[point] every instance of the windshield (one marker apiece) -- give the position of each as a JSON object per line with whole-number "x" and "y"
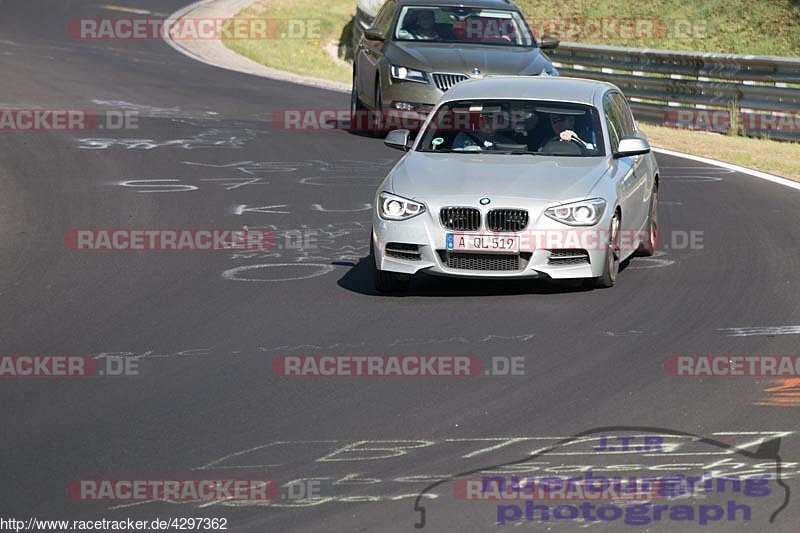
{"x": 514, "y": 126}
{"x": 463, "y": 25}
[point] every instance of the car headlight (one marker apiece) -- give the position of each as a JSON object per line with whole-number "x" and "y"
{"x": 393, "y": 207}
{"x": 583, "y": 213}
{"x": 408, "y": 74}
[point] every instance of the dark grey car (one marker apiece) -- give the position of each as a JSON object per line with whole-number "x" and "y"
{"x": 418, "y": 49}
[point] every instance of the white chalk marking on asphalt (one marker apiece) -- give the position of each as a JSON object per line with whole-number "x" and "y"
{"x": 139, "y": 108}
{"x": 124, "y": 9}
{"x": 654, "y": 262}
{"x": 318, "y": 207}
{"x": 233, "y": 273}
{"x": 212, "y": 464}
{"x": 266, "y": 209}
{"x": 623, "y": 333}
{"x": 761, "y": 331}
{"x": 170, "y": 185}
{"x": 239, "y": 182}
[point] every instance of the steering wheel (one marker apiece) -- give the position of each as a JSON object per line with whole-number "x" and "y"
{"x": 559, "y": 147}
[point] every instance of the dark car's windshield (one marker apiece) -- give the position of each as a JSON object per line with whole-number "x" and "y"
{"x": 463, "y": 25}
{"x": 515, "y": 126}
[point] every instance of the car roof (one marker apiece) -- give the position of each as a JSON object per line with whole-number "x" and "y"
{"x": 499, "y": 4}
{"x": 530, "y": 87}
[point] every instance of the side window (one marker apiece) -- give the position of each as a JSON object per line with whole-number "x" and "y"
{"x": 383, "y": 20}
{"x": 613, "y": 122}
{"x": 628, "y": 125}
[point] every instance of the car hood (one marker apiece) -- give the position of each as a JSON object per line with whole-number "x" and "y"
{"x": 423, "y": 175}
{"x": 460, "y": 58}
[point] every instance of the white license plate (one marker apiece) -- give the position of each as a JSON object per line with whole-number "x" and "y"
{"x": 483, "y": 243}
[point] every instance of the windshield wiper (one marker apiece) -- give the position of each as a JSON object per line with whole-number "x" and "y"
{"x": 508, "y": 152}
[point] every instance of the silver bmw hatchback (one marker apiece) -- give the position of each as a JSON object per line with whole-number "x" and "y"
{"x": 518, "y": 177}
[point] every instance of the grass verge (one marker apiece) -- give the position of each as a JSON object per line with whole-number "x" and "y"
{"x": 758, "y": 27}
{"x": 324, "y": 22}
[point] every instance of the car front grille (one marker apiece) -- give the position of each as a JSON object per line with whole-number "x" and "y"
{"x": 499, "y": 220}
{"x": 444, "y": 81}
{"x": 568, "y": 257}
{"x": 460, "y": 218}
{"x": 483, "y": 262}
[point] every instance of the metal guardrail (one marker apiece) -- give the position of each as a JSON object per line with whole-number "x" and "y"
{"x": 696, "y": 90}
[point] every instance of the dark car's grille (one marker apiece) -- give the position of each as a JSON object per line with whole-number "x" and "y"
{"x": 568, "y": 257}
{"x": 507, "y": 220}
{"x": 470, "y": 261}
{"x": 400, "y": 250}
{"x": 444, "y": 82}
{"x": 460, "y": 218}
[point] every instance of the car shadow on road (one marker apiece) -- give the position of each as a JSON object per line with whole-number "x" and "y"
{"x": 359, "y": 279}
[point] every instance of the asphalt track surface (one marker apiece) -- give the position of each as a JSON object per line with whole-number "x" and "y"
{"x": 204, "y": 341}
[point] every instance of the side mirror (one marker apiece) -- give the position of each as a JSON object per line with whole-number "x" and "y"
{"x": 397, "y": 139}
{"x": 374, "y": 34}
{"x": 629, "y": 146}
{"x": 549, "y": 42}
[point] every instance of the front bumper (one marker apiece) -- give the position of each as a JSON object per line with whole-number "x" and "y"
{"x": 538, "y": 255}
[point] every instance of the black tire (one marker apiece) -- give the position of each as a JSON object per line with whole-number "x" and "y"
{"x": 357, "y": 107}
{"x": 377, "y": 124}
{"x": 650, "y": 246}
{"x": 386, "y": 282}
{"x": 611, "y": 266}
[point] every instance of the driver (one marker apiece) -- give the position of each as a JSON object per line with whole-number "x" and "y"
{"x": 563, "y": 128}
{"x": 421, "y": 25}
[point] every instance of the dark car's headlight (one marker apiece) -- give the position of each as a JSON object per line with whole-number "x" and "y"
{"x": 583, "y": 213}
{"x": 409, "y": 74}
{"x": 393, "y": 207}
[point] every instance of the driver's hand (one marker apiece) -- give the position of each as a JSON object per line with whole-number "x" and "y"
{"x": 568, "y": 135}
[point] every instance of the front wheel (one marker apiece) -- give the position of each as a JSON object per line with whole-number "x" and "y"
{"x": 650, "y": 245}
{"x": 612, "y": 261}
{"x": 377, "y": 115}
{"x": 355, "y": 102}
{"x": 387, "y": 282}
